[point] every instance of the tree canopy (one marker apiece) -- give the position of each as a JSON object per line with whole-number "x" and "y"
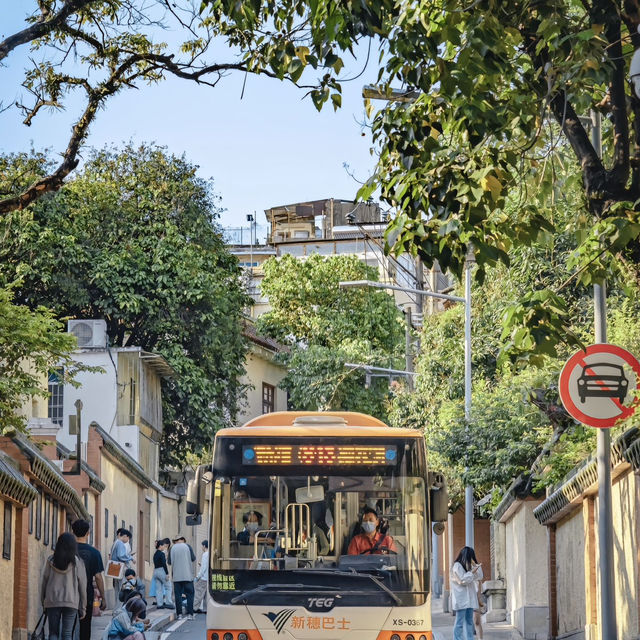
{"x": 518, "y": 427}
{"x": 326, "y": 327}
{"x": 32, "y": 344}
{"x": 133, "y": 239}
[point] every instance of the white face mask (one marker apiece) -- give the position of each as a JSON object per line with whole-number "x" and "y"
{"x": 252, "y": 527}
{"x": 368, "y": 526}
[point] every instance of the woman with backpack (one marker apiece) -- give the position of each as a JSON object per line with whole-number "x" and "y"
{"x": 63, "y": 590}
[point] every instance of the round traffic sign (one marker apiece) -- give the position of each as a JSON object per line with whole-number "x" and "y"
{"x": 599, "y": 386}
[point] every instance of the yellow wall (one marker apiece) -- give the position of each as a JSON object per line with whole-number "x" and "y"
{"x": 570, "y": 557}
{"x": 625, "y": 544}
{"x": 120, "y": 497}
{"x": 259, "y": 368}
{"x": 6, "y": 580}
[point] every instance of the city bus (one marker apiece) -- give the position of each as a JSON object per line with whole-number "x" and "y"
{"x": 286, "y": 494}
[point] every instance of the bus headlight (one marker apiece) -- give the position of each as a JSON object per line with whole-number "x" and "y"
{"x": 395, "y": 636}
{"x": 227, "y": 636}
{"x": 243, "y": 636}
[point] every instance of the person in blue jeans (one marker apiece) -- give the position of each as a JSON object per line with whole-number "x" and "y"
{"x": 63, "y": 590}
{"x": 466, "y": 572}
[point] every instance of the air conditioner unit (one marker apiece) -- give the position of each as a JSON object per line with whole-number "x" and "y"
{"x": 91, "y": 334}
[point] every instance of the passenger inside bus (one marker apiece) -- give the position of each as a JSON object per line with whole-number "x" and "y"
{"x": 374, "y": 538}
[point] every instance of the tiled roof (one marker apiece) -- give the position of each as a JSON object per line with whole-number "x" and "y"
{"x": 49, "y": 475}
{"x": 250, "y": 332}
{"x": 12, "y": 484}
{"x": 625, "y": 449}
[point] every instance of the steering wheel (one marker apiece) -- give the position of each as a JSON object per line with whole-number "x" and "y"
{"x": 380, "y": 548}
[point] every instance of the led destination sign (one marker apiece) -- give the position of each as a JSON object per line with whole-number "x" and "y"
{"x": 318, "y": 455}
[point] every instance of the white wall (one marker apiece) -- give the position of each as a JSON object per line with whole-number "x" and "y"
{"x": 98, "y": 392}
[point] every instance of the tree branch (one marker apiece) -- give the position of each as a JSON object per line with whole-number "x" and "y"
{"x": 40, "y": 29}
{"x": 619, "y": 172}
{"x": 54, "y": 181}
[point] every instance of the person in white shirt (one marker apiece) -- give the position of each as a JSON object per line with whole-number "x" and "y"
{"x": 466, "y": 572}
{"x": 201, "y": 581}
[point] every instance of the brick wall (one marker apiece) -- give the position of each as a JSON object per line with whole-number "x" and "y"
{"x": 482, "y": 541}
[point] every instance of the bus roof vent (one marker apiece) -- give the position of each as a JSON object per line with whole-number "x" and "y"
{"x": 318, "y": 421}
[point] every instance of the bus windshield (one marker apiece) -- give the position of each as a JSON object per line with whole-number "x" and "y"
{"x": 298, "y": 539}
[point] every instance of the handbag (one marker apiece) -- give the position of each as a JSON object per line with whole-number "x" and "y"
{"x": 115, "y": 569}
{"x": 38, "y": 632}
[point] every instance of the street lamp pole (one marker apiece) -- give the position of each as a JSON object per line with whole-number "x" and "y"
{"x": 468, "y": 490}
{"x": 351, "y": 284}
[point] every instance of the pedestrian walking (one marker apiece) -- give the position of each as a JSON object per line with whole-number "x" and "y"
{"x": 119, "y": 553}
{"x": 181, "y": 559}
{"x": 465, "y": 574}
{"x": 201, "y": 581}
{"x": 92, "y": 560}
{"x": 128, "y": 622}
{"x": 63, "y": 589}
{"x": 161, "y": 574}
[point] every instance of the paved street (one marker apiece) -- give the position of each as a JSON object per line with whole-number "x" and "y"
{"x": 185, "y": 629}
{"x": 443, "y": 626}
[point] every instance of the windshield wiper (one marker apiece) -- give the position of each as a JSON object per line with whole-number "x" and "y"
{"x": 282, "y": 588}
{"x": 353, "y": 574}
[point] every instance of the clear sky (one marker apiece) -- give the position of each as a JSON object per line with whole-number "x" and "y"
{"x": 269, "y": 148}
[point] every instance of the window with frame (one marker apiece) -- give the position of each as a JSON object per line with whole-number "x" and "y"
{"x": 132, "y": 401}
{"x": 32, "y": 508}
{"x": 55, "y": 388}
{"x": 54, "y": 524}
{"x": 268, "y": 398}
{"x": 106, "y": 523}
{"x": 47, "y": 520}
{"x": 6, "y": 537}
{"x": 39, "y": 514}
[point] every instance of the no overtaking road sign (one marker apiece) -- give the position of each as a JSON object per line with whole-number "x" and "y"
{"x": 599, "y": 386}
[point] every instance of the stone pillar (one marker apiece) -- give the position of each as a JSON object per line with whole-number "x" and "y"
{"x": 494, "y": 590}
{"x": 496, "y": 595}
{"x": 446, "y": 564}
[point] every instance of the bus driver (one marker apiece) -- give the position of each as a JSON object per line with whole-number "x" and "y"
{"x": 372, "y": 539}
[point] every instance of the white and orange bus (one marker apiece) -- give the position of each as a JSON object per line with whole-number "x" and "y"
{"x": 287, "y": 492}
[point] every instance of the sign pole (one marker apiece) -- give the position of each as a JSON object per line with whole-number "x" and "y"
{"x": 605, "y": 514}
{"x": 603, "y": 453}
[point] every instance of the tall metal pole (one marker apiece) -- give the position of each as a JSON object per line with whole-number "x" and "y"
{"x": 420, "y": 286}
{"x": 468, "y": 491}
{"x": 408, "y": 346}
{"x": 608, "y": 629}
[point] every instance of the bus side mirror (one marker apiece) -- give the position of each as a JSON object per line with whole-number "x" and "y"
{"x": 197, "y": 490}
{"x": 438, "y": 497}
{"x": 192, "y": 497}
